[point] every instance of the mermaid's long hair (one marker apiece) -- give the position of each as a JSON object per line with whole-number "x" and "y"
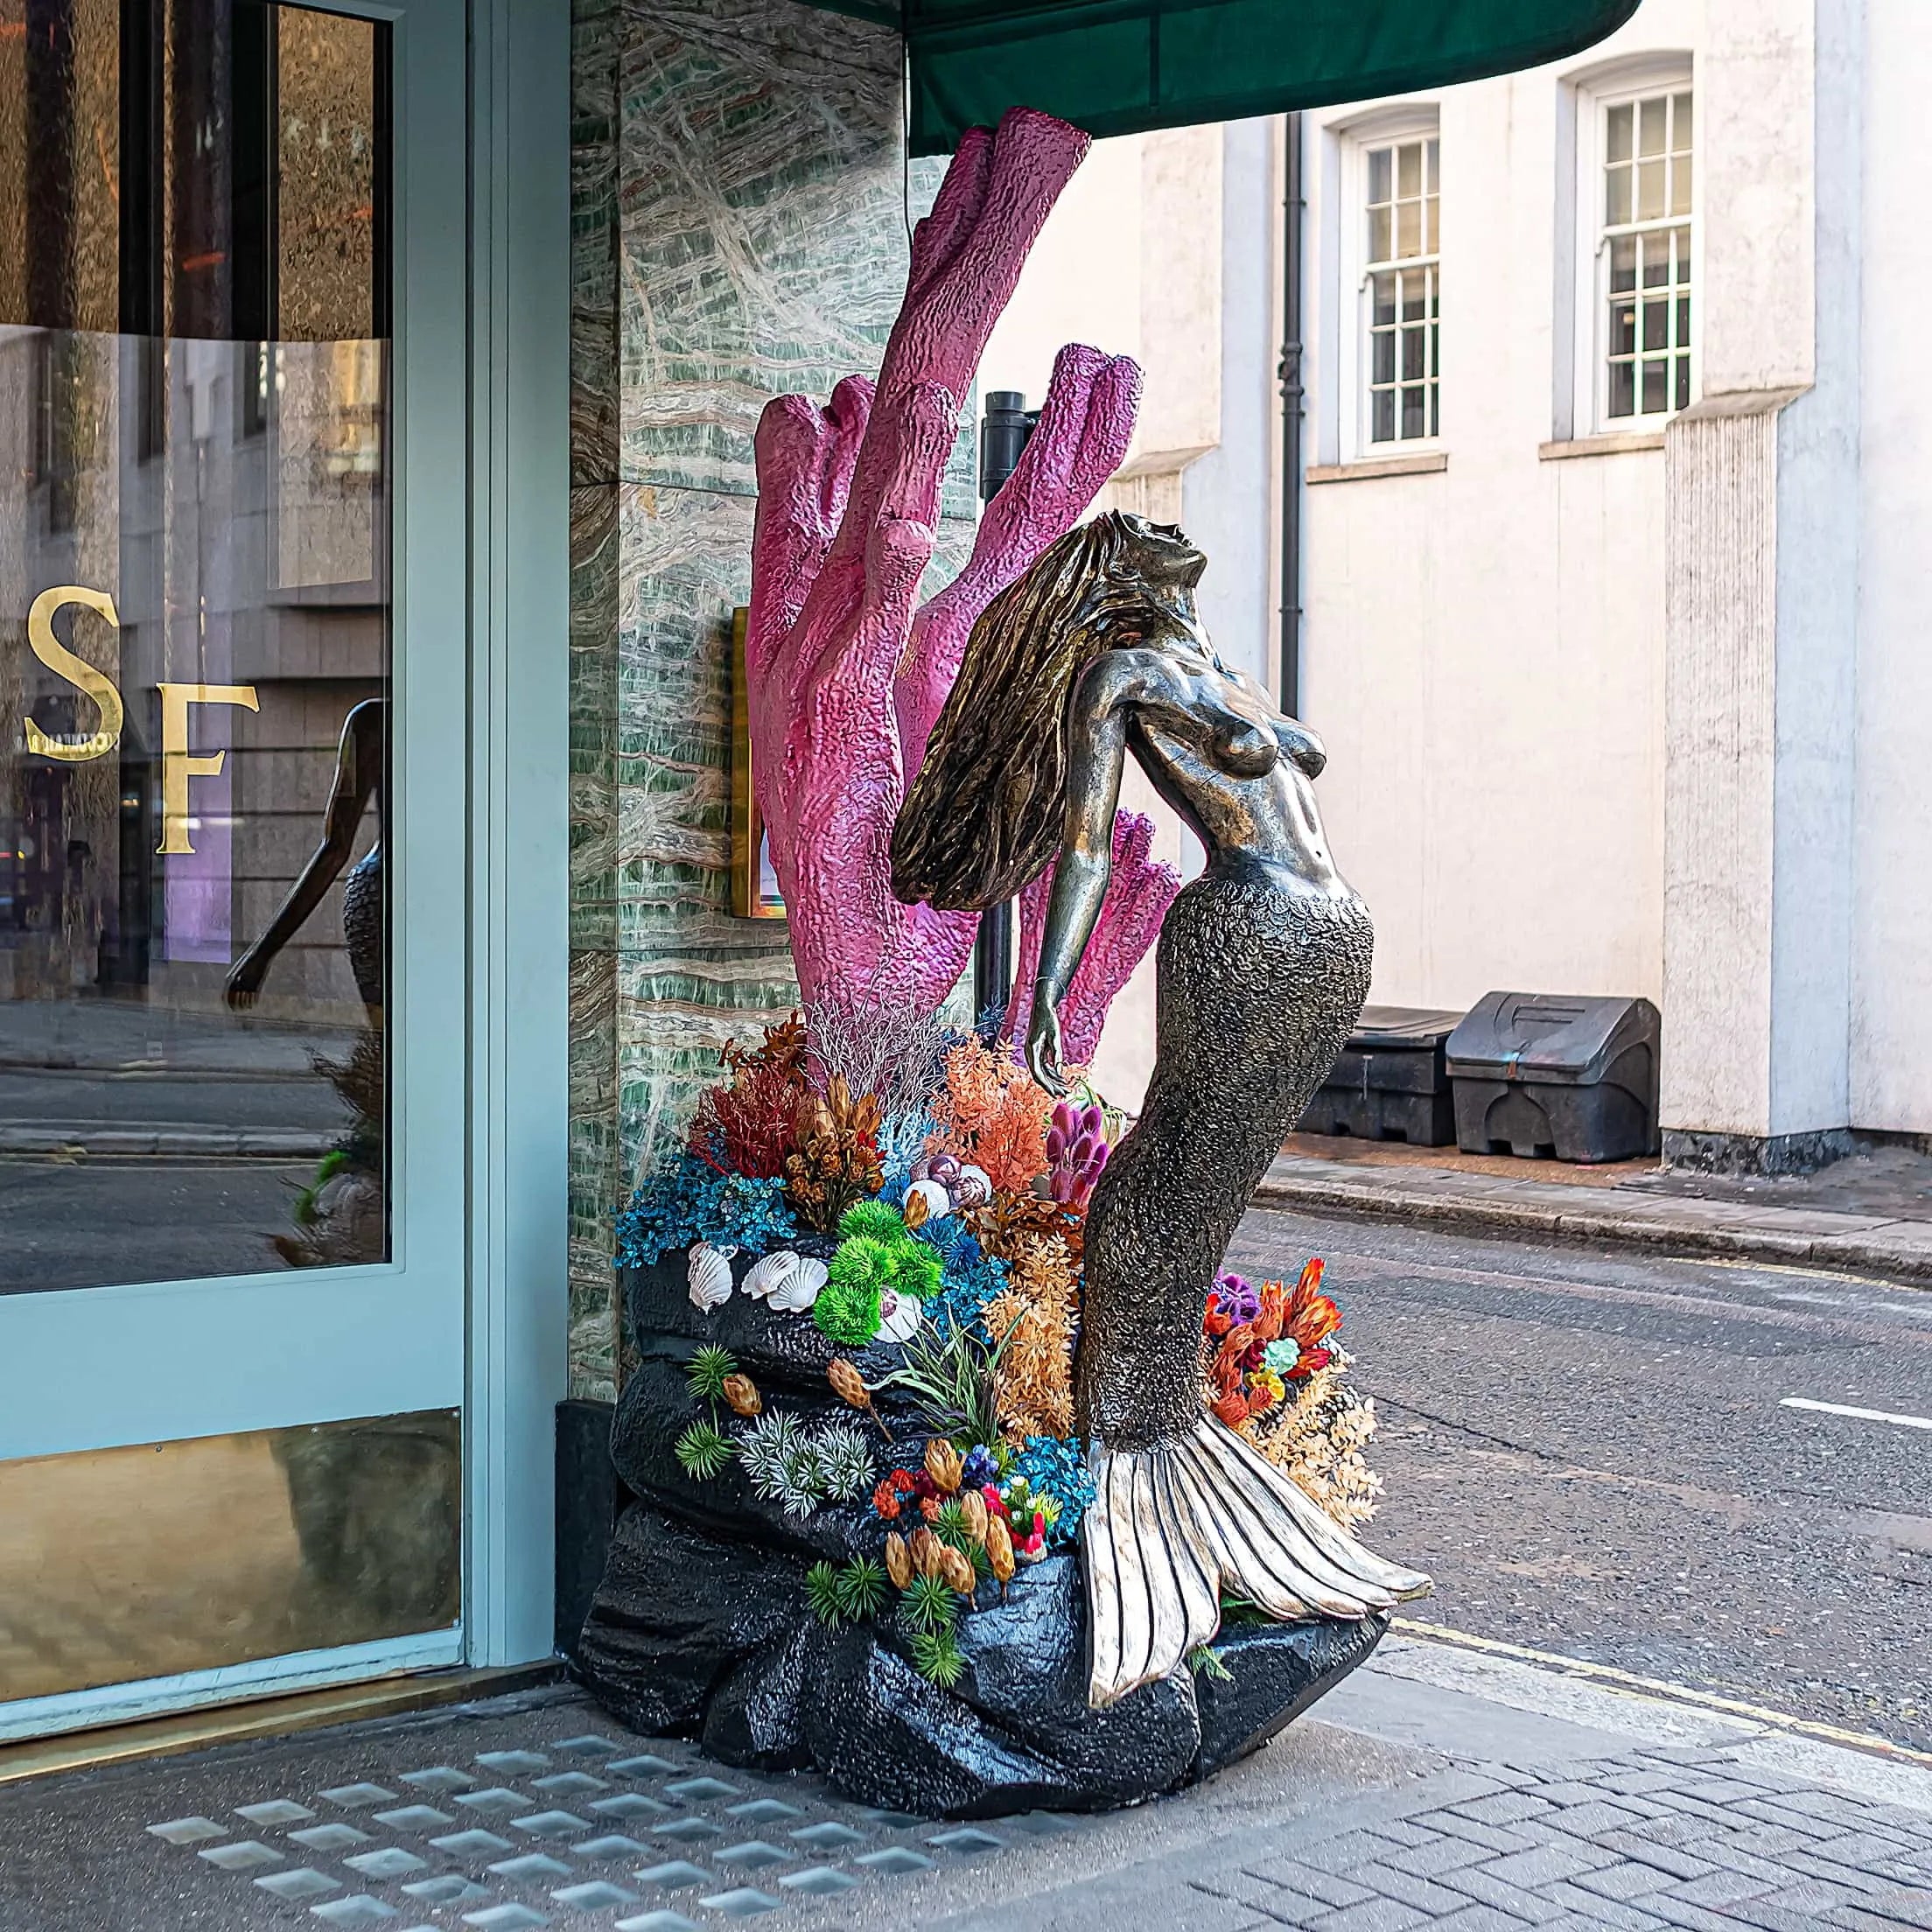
{"x": 983, "y": 816}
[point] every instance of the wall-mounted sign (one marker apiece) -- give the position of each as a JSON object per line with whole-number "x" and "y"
{"x": 178, "y": 763}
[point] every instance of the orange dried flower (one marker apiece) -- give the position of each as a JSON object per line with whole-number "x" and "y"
{"x": 742, "y": 1393}
{"x": 929, "y": 1507}
{"x": 999, "y": 1549}
{"x": 885, "y": 1500}
{"x": 944, "y": 1464}
{"x": 956, "y": 1567}
{"x": 899, "y": 1561}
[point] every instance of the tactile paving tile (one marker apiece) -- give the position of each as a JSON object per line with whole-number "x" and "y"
{"x": 440, "y": 1777}
{"x": 657, "y": 1922}
{"x": 677, "y": 1874}
{"x": 452, "y": 1889}
{"x": 967, "y": 1841}
{"x": 818, "y": 1881}
{"x": 414, "y": 1817}
{"x": 391, "y": 1862}
{"x": 753, "y": 1855}
{"x": 764, "y": 1812}
{"x": 743, "y": 1902}
{"x": 551, "y": 1824}
{"x": 894, "y": 1860}
{"x": 589, "y": 1746}
{"x": 701, "y": 1790}
{"x": 302, "y": 1883}
{"x": 330, "y": 1837}
{"x": 505, "y": 1918}
{"x": 647, "y": 1764}
{"x": 471, "y": 1845}
{"x": 495, "y": 1801}
{"x": 594, "y": 1896}
{"x": 531, "y": 1868}
{"x": 567, "y": 1784}
{"x": 829, "y": 1836}
{"x": 359, "y": 1798}
{"x": 243, "y": 1856}
{"x": 189, "y": 1830}
{"x": 629, "y": 1804}
{"x": 276, "y": 1811}
{"x": 685, "y": 1829}
{"x": 513, "y": 1764}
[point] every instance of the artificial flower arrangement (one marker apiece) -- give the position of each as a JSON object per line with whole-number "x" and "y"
{"x": 903, "y": 1184}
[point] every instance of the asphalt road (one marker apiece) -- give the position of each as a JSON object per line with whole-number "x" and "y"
{"x": 1591, "y": 1454}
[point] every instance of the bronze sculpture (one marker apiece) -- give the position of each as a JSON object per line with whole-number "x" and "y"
{"x": 1264, "y": 964}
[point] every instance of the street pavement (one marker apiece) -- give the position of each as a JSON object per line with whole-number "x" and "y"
{"x": 1590, "y": 1451}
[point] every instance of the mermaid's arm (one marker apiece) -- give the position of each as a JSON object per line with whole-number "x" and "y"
{"x": 1097, "y": 732}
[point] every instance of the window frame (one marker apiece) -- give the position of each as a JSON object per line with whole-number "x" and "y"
{"x": 1413, "y": 122}
{"x": 1644, "y": 79}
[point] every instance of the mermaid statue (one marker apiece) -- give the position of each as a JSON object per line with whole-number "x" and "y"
{"x": 1262, "y": 967}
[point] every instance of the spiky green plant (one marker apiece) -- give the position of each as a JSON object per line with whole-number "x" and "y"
{"x": 873, "y": 1218}
{"x": 952, "y": 1384}
{"x": 703, "y": 1449}
{"x": 844, "y": 1461}
{"x": 707, "y": 1372}
{"x": 764, "y": 1448}
{"x": 822, "y": 1593}
{"x": 859, "y": 1589}
{"x": 800, "y": 1486}
{"x": 1205, "y": 1662}
{"x": 937, "y": 1657}
{"x": 927, "y": 1603}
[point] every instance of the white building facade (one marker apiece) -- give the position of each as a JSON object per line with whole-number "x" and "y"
{"x": 1615, "y": 530}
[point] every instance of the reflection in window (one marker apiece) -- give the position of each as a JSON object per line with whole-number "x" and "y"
{"x": 194, "y": 257}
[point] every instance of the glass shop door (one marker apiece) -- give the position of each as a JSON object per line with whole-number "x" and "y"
{"x": 233, "y": 665}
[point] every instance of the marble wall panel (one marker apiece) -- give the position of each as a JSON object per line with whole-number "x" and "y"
{"x": 597, "y": 29}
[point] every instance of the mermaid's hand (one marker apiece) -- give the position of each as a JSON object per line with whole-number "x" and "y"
{"x": 1043, "y": 1042}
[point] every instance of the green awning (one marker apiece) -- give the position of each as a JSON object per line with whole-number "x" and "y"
{"x": 1116, "y": 66}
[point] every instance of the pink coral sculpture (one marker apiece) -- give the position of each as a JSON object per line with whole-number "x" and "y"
{"x": 846, "y": 673}
{"x": 1138, "y": 895}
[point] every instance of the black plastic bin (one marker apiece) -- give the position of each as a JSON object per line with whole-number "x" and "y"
{"x": 1388, "y": 1082}
{"x": 1537, "y": 1073}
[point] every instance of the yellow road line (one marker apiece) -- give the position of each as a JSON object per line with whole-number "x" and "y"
{"x": 1659, "y": 1688}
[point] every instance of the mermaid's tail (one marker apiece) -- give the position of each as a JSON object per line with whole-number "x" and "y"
{"x": 1171, "y": 1525}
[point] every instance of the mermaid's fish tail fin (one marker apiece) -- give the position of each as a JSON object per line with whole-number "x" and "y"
{"x": 1172, "y": 1525}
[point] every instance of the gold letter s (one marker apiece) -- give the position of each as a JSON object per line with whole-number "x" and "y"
{"x": 77, "y": 671}
{"x": 178, "y": 765}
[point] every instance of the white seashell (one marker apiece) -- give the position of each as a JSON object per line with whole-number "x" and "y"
{"x": 898, "y": 1316}
{"x": 974, "y": 1187}
{"x": 795, "y": 1295}
{"x": 710, "y": 1274}
{"x": 939, "y": 1203}
{"x": 787, "y": 1280}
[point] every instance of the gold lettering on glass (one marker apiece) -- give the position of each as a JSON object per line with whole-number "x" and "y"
{"x": 96, "y": 684}
{"x": 178, "y": 764}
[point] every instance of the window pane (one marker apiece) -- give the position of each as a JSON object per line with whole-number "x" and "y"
{"x": 1408, "y": 169}
{"x": 1616, "y": 196}
{"x": 1680, "y": 131}
{"x": 1650, "y": 128}
{"x": 1382, "y": 418}
{"x": 1623, "y": 262}
{"x": 1378, "y": 234}
{"x": 1655, "y": 375}
{"x": 1414, "y": 413}
{"x": 1657, "y": 260}
{"x": 1683, "y": 322}
{"x": 1382, "y": 290}
{"x": 1415, "y": 353}
{"x": 1622, "y": 400}
{"x": 1656, "y": 325}
{"x": 1415, "y": 295}
{"x": 1378, "y": 174}
{"x": 1382, "y": 360}
{"x": 1623, "y": 328}
{"x": 1617, "y": 133}
{"x": 1680, "y": 249}
{"x": 1429, "y": 241}
{"x": 1680, "y": 184}
{"x": 1649, "y": 190}
{"x": 1435, "y": 348}
{"x": 194, "y": 640}
{"x": 1682, "y": 398}
{"x": 1408, "y": 229}
{"x": 1435, "y": 166}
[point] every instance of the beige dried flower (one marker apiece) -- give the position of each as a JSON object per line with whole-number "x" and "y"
{"x": 899, "y": 1561}
{"x": 944, "y": 1464}
{"x": 999, "y": 1549}
{"x": 927, "y": 1552}
{"x": 974, "y": 1515}
{"x": 956, "y": 1567}
{"x": 742, "y": 1393}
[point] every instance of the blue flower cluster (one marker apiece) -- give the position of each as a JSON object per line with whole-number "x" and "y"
{"x": 691, "y": 1201}
{"x": 902, "y": 1139}
{"x": 972, "y": 1277}
{"x": 1057, "y": 1468}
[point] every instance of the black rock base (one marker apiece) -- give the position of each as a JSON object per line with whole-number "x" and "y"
{"x": 701, "y": 1627}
